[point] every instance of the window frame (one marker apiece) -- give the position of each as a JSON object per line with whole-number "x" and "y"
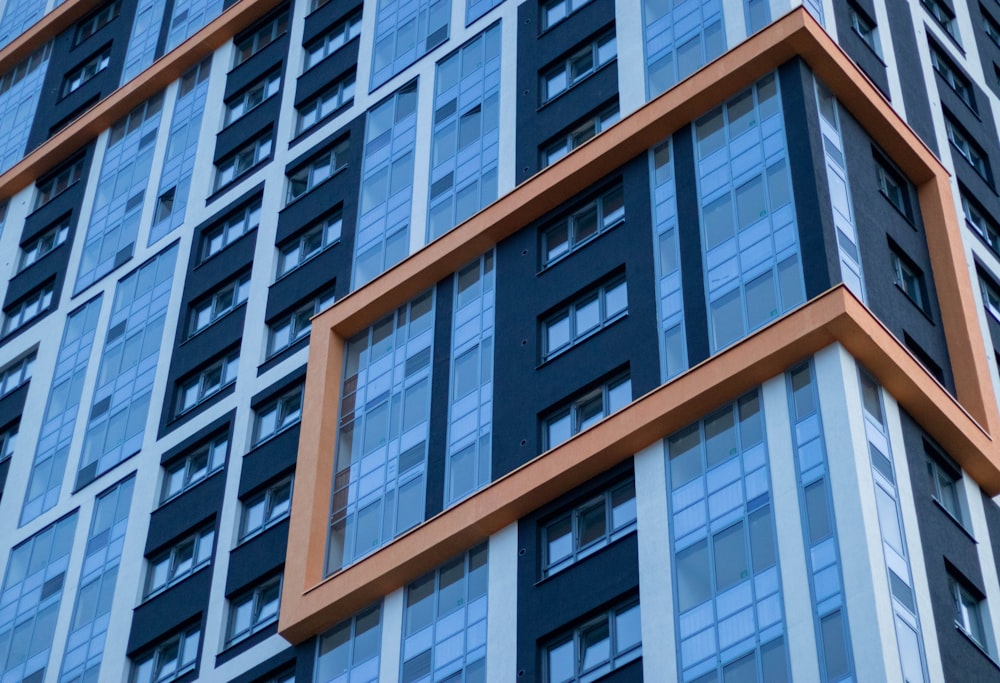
{"x": 575, "y": 635}
{"x": 250, "y": 44}
{"x": 169, "y": 557}
{"x": 27, "y": 309}
{"x": 44, "y": 243}
{"x": 565, "y": 65}
{"x": 243, "y": 161}
{"x": 946, "y": 486}
{"x": 257, "y": 621}
{"x": 573, "y": 407}
{"x": 606, "y": 221}
{"x": 909, "y": 278}
{"x": 570, "y": 314}
{"x": 254, "y": 95}
{"x": 183, "y": 665}
{"x": 197, "y": 382}
{"x": 284, "y": 417}
{"x": 307, "y": 175}
{"x": 19, "y": 369}
{"x": 216, "y": 305}
{"x": 969, "y": 608}
{"x": 545, "y": 8}
{"x": 339, "y": 92}
{"x": 265, "y": 496}
{"x": 965, "y": 145}
{"x": 57, "y": 183}
{"x": 247, "y": 217}
{"x": 577, "y": 135}
{"x": 298, "y": 321}
{"x": 324, "y": 227}
{"x": 99, "y": 18}
{"x": 894, "y": 187}
{"x": 191, "y": 476}
{"x": 85, "y": 72}
{"x": 979, "y": 221}
{"x": 344, "y": 31}
{"x": 579, "y": 551}
{"x": 943, "y": 16}
{"x": 865, "y": 27}
{"x": 951, "y": 74}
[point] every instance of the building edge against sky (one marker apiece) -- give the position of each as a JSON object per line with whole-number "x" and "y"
{"x": 592, "y": 367}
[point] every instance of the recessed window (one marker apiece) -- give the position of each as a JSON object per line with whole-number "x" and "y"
{"x": 237, "y": 107}
{"x": 15, "y": 374}
{"x": 96, "y": 21}
{"x": 179, "y": 561}
{"x": 288, "y": 330}
{"x": 83, "y": 73}
{"x": 351, "y": 649}
{"x": 33, "y": 306}
{"x": 587, "y": 411}
{"x": 332, "y": 40}
{"x": 893, "y": 187}
{"x": 908, "y": 277}
{"x": 953, "y": 76}
{"x": 581, "y": 226}
{"x": 43, "y": 244}
{"x": 8, "y": 439}
{"x": 970, "y": 610}
{"x": 979, "y": 221}
{"x": 943, "y": 16}
{"x": 592, "y": 312}
{"x": 245, "y": 158}
{"x": 569, "y": 71}
{"x": 555, "y": 11}
{"x": 588, "y": 527}
{"x": 563, "y": 144}
{"x": 338, "y": 94}
{"x": 317, "y": 170}
{"x": 865, "y": 27}
{"x": 169, "y": 660}
{"x": 55, "y": 185}
{"x": 965, "y": 146}
{"x": 266, "y": 508}
{"x": 991, "y": 296}
{"x": 253, "y": 610}
{"x": 277, "y": 415}
{"x": 226, "y": 297}
{"x": 596, "y": 647}
{"x": 248, "y": 46}
{"x": 183, "y": 474}
{"x": 991, "y": 26}
{"x": 946, "y": 485}
{"x": 314, "y": 240}
{"x": 208, "y": 382}
{"x": 235, "y": 226}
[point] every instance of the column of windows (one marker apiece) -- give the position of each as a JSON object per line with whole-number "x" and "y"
{"x": 383, "y": 237}
{"x": 749, "y": 232}
{"x": 117, "y": 418}
{"x": 182, "y": 147}
{"x": 121, "y": 189}
{"x": 379, "y": 485}
{"x": 61, "y": 410}
{"x": 188, "y": 17}
{"x": 822, "y": 550}
{"x": 726, "y": 578}
{"x": 680, "y": 38}
{"x": 18, "y": 15}
{"x": 89, "y": 625}
{"x": 897, "y": 562}
{"x": 673, "y": 349}
{"x": 142, "y": 41}
{"x": 404, "y": 32}
{"x": 20, "y": 90}
{"x": 470, "y": 408}
{"x": 466, "y": 138}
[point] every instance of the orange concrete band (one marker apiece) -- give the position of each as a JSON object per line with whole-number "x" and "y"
{"x": 103, "y": 115}
{"x": 42, "y": 31}
{"x": 311, "y": 602}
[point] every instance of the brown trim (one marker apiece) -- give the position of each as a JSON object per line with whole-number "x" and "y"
{"x": 42, "y": 31}
{"x": 102, "y": 115}
{"x": 311, "y": 603}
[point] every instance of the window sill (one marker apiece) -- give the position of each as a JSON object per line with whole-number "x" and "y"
{"x": 257, "y": 532}
{"x": 312, "y": 189}
{"x": 223, "y": 189}
{"x": 176, "y": 582}
{"x": 580, "y": 340}
{"x": 977, "y": 645}
{"x": 555, "y": 98}
{"x": 586, "y": 242}
{"x": 586, "y": 554}
{"x": 915, "y": 304}
{"x": 207, "y": 327}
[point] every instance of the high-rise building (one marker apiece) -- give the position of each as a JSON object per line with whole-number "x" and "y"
{"x": 499, "y": 340}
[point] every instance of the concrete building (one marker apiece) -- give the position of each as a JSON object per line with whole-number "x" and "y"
{"x": 498, "y": 340}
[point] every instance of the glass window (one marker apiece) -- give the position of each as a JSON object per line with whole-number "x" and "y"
{"x": 235, "y": 226}
{"x": 817, "y": 512}
{"x": 758, "y": 14}
{"x": 315, "y": 239}
{"x": 169, "y": 659}
{"x": 83, "y": 73}
{"x": 587, "y": 411}
{"x": 226, "y": 298}
{"x": 967, "y": 147}
{"x": 836, "y": 654}
{"x": 96, "y": 21}
{"x": 266, "y": 508}
{"x": 568, "y": 72}
{"x": 277, "y": 415}
{"x": 350, "y": 650}
{"x": 405, "y": 32}
{"x": 588, "y": 528}
{"x": 980, "y": 222}
{"x": 288, "y": 330}
{"x": 262, "y": 89}
{"x": 894, "y": 188}
{"x": 970, "y": 611}
{"x": 596, "y": 647}
{"x": 317, "y": 170}
{"x": 592, "y": 312}
{"x": 22, "y": 312}
{"x": 48, "y": 189}
{"x": 991, "y": 26}
{"x": 572, "y": 232}
{"x": 208, "y": 382}
{"x": 943, "y": 16}
{"x": 243, "y": 160}
{"x": 249, "y": 45}
{"x": 991, "y": 295}
{"x": 8, "y": 438}
{"x": 182, "y": 559}
{"x": 338, "y": 94}
{"x": 331, "y": 41}
{"x": 253, "y": 610}
{"x": 555, "y": 11}
{"x": 909, "y": 278}
{"x": 564, "y": 143}
{"x": 181, "y": 475}
{"x": 865, "y": 27}
{"x": 952, "y": 75}
{"x": 946, "y": 485}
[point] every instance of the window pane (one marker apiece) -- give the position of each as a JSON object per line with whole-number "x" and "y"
{"x": 816, "y": 512}
{"x": 693, "y": 576}
{"x": 835, "y": 654}
{"x": 730, "y": 557}
{"x": 761, "y": 539}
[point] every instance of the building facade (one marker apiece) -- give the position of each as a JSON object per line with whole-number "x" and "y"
{"x": 488, "y": 340}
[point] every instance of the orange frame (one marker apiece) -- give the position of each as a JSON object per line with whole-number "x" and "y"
{"x": 311, "y": 602}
